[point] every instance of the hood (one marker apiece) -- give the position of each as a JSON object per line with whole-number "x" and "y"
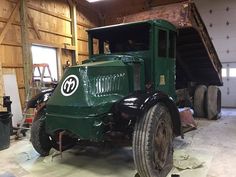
{"x": 90, "y": 89}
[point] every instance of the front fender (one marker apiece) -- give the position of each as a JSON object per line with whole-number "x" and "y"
{"x": 136, "y": 104}
{"x": 39, "y": 98}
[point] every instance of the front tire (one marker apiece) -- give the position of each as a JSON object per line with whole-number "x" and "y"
{"x": 40, "y": 140}
{"x": 153, "y": 142}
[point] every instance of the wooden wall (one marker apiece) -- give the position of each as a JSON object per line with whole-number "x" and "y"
{"x": 49, "y": 23}
{"x": 87, "y": 18}
{"x": 10, "y": 40}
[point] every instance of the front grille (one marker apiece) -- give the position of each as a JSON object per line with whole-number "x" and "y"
{"x": 107, "y": 85}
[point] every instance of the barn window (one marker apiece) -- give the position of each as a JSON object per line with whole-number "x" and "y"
{"x": 45, "y": 55}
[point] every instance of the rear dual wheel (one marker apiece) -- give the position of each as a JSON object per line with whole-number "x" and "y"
{"x": 199, "y": 101}
{"x": 153, "y": 142}
{"x": 213, "y": 102}
{"x": 207, "y": 102}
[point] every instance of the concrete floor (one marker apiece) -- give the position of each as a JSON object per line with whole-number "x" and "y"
{"x": 213, "y": 143}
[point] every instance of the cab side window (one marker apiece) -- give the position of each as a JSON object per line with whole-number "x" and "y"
{"x": 162, "y": 43}
{"x": 172, "y": 44}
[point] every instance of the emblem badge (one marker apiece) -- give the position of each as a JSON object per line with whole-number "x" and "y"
{"x": 69, "y": 85}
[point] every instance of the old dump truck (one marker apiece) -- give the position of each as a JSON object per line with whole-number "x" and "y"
{"x": 126, "y": 93}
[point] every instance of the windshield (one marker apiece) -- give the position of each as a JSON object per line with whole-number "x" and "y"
{"x": 122, "y": 39}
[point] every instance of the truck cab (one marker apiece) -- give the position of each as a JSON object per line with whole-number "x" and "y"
{"x": 152, "y": 42}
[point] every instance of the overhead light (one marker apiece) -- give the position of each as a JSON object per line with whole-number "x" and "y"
{"x": 91, "y": 1}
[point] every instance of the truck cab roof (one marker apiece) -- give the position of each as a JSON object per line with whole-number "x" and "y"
{"x": 123, "y": 26}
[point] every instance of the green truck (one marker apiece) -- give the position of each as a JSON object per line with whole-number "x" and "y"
{"x": 125, "y": 94}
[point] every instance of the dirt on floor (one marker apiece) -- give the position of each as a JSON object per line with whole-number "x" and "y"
{"x": 211, "y": 146}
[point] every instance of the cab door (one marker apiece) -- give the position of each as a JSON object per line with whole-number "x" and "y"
{"x": 164, "y": 60}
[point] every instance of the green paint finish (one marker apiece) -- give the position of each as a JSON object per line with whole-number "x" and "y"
{"x": 165, "y": 72}
{"x": 83, "y": 99}
{"x": 100, "y": 85}
{"x": 164, "y": 64}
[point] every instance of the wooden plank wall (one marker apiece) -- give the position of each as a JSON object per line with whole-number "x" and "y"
{"x": 10, "y": 48}
{"x": 49, "y": 24}
{"x": 86, "y": 19}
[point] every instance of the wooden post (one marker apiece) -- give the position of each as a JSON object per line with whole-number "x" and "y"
{"x": 26, "y": 47}
{"x": 59, "y": 63}
{"x": 74, "y": 31}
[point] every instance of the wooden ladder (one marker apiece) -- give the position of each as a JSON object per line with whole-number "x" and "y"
{"x": 37, "y": 84}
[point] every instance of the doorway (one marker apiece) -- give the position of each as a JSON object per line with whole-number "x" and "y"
{"x": 229, "y": 80}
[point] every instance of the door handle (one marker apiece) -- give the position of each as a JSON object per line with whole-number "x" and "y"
{"x": 228, "y": 91}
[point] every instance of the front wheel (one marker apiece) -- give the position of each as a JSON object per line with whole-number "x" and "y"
{"x": 153, "y": 142}
{"x": 40, "y": 140}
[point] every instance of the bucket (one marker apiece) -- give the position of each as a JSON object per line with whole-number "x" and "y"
{"x": 5, "y": 120}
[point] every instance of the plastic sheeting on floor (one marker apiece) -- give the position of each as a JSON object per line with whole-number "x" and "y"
{"x": 22, "y": 161}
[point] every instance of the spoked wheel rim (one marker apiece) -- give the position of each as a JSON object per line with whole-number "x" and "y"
{"x": 161, "y": 143}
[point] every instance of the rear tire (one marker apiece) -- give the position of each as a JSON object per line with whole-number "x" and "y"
{"x": 199, "y": 101}
{"x": 153, "y": 142}
{"x": 213, "y": 102}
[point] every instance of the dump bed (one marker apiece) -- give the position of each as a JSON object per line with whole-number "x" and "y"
{"x": 197, "y": 60}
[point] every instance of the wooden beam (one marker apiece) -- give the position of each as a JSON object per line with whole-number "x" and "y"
{"x": 83, "y": 53}
{"x": 26, "y": 47}
{"x": 2, "y": 109}
{"x": 42, "y": 10}
{"x": 34, "y": 26}
{"x": 10, "y": 20}
{"x": 74, "y": 31}
{"x": 50, "y": 44}
{"x": 82, "y": 39}
{"x": 45, "y": 43}
{"x": 4, "y": 20}
{"x": 45, "y": 11}
{"x": 12, "y": 66}
{"x": 56, "y": 33}
{"x": 59, "y": 63}
{"x": 70, "y": 47}
{"x": 84, "y": 25}
{"x": 13, "y": 44}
